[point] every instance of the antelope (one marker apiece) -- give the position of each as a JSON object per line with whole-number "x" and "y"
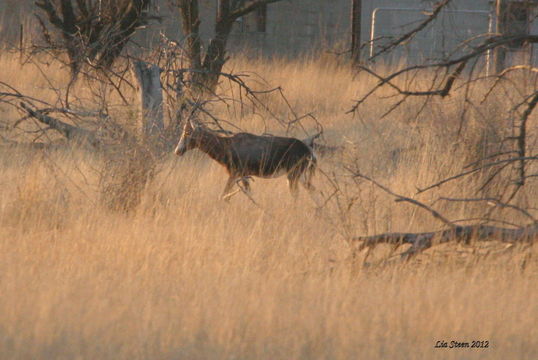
{"x": 245, "y": 155}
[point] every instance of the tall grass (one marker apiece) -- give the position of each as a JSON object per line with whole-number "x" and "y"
{"x": 186, "y": 276}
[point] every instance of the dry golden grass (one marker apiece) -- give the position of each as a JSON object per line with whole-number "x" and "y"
{"x": 186, "y": 276}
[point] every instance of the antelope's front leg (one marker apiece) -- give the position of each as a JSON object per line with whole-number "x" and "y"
{"x": 246, "y": 184}
{"x": 227, "y": 193}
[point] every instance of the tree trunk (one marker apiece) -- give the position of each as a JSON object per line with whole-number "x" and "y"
{"x": 190, "y": 25}
{"x": 151, "y": 100}
{"x": 204, "y": 78}
{"x": 215, "y": 56}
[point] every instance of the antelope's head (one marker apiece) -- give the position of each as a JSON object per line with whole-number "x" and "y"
{"x": 188, "y": 138}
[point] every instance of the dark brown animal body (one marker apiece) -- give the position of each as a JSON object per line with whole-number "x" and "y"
{"x": 245, "y": 155}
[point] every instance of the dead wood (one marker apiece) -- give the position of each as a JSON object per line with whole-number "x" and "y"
{"x": 151, "y": 99}
{"x": 425, "y": 240}
{"x": 511, "y": 161}
{"x": 6, "y": 145}
{"x": 456, "y": 233}
{"x": 71, "y": 132}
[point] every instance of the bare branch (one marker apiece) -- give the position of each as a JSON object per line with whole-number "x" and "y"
{"x": 465, "y": 173}
{"x": 489, "y": 44}
{"x": 71, "y": 132}
{"x": 522, "y": 137}
{"x": 399, "y": 198}
{"x": 250, "y": 7}
{"x": 92, "y": 34}
{"x": 442, "y": 92}
{"x": 497, "y": 203}
{"x": 410, "y": 34}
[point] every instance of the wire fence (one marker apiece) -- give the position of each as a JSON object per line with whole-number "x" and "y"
{"x": 295, "y": 29}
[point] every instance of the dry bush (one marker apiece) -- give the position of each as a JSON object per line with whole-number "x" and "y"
{"x": 124, "y": 177}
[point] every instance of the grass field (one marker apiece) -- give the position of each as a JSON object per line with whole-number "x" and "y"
{"x": 187, "y": 276}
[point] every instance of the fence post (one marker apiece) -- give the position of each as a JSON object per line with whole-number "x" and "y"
{"x": 21, "y": 43}
{"x": 502, "y": 20}
{"x": 356, "y": 7}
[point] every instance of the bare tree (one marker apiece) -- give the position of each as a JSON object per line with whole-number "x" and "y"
{"x": 207, "y": 67}
{"x": 93, "y": 31}
{"x": 510, "y": 164}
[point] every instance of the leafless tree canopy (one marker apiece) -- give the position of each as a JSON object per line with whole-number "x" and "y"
{"x": 209, "y": 65}
{"x": 93, "y": 31}
{"x": 513, "y": 156}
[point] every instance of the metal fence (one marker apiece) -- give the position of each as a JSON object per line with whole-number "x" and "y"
{"x": 451, "y": 34}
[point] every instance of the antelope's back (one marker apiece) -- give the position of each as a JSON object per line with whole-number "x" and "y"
{"x": 266, "y": 155}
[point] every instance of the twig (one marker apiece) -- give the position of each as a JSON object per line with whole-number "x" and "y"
{"x": 400, "y": 198}
{"x": 69, "y": 131}
{"x": 407, "y": 36}
{"x": 444, "y": 181}
{"x": 496, "y": 202}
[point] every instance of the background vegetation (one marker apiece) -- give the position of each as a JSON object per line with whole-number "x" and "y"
{"x": 187, "y": 276}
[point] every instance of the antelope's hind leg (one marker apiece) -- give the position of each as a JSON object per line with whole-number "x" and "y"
{"x": 301, "y": 173}
{"x": 293, "y": 183}
{"x": 306, "y": 181}
{"x": 308, "y": 172}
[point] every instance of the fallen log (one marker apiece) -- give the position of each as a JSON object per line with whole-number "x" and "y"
{"x": 71, "y": 132}
{"x": 457, "y": 233}
{"x": 425, "y": 240}
{"x": 10, "y": 145}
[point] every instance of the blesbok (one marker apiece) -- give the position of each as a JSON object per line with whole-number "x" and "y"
{"x": 245, "y": 155}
